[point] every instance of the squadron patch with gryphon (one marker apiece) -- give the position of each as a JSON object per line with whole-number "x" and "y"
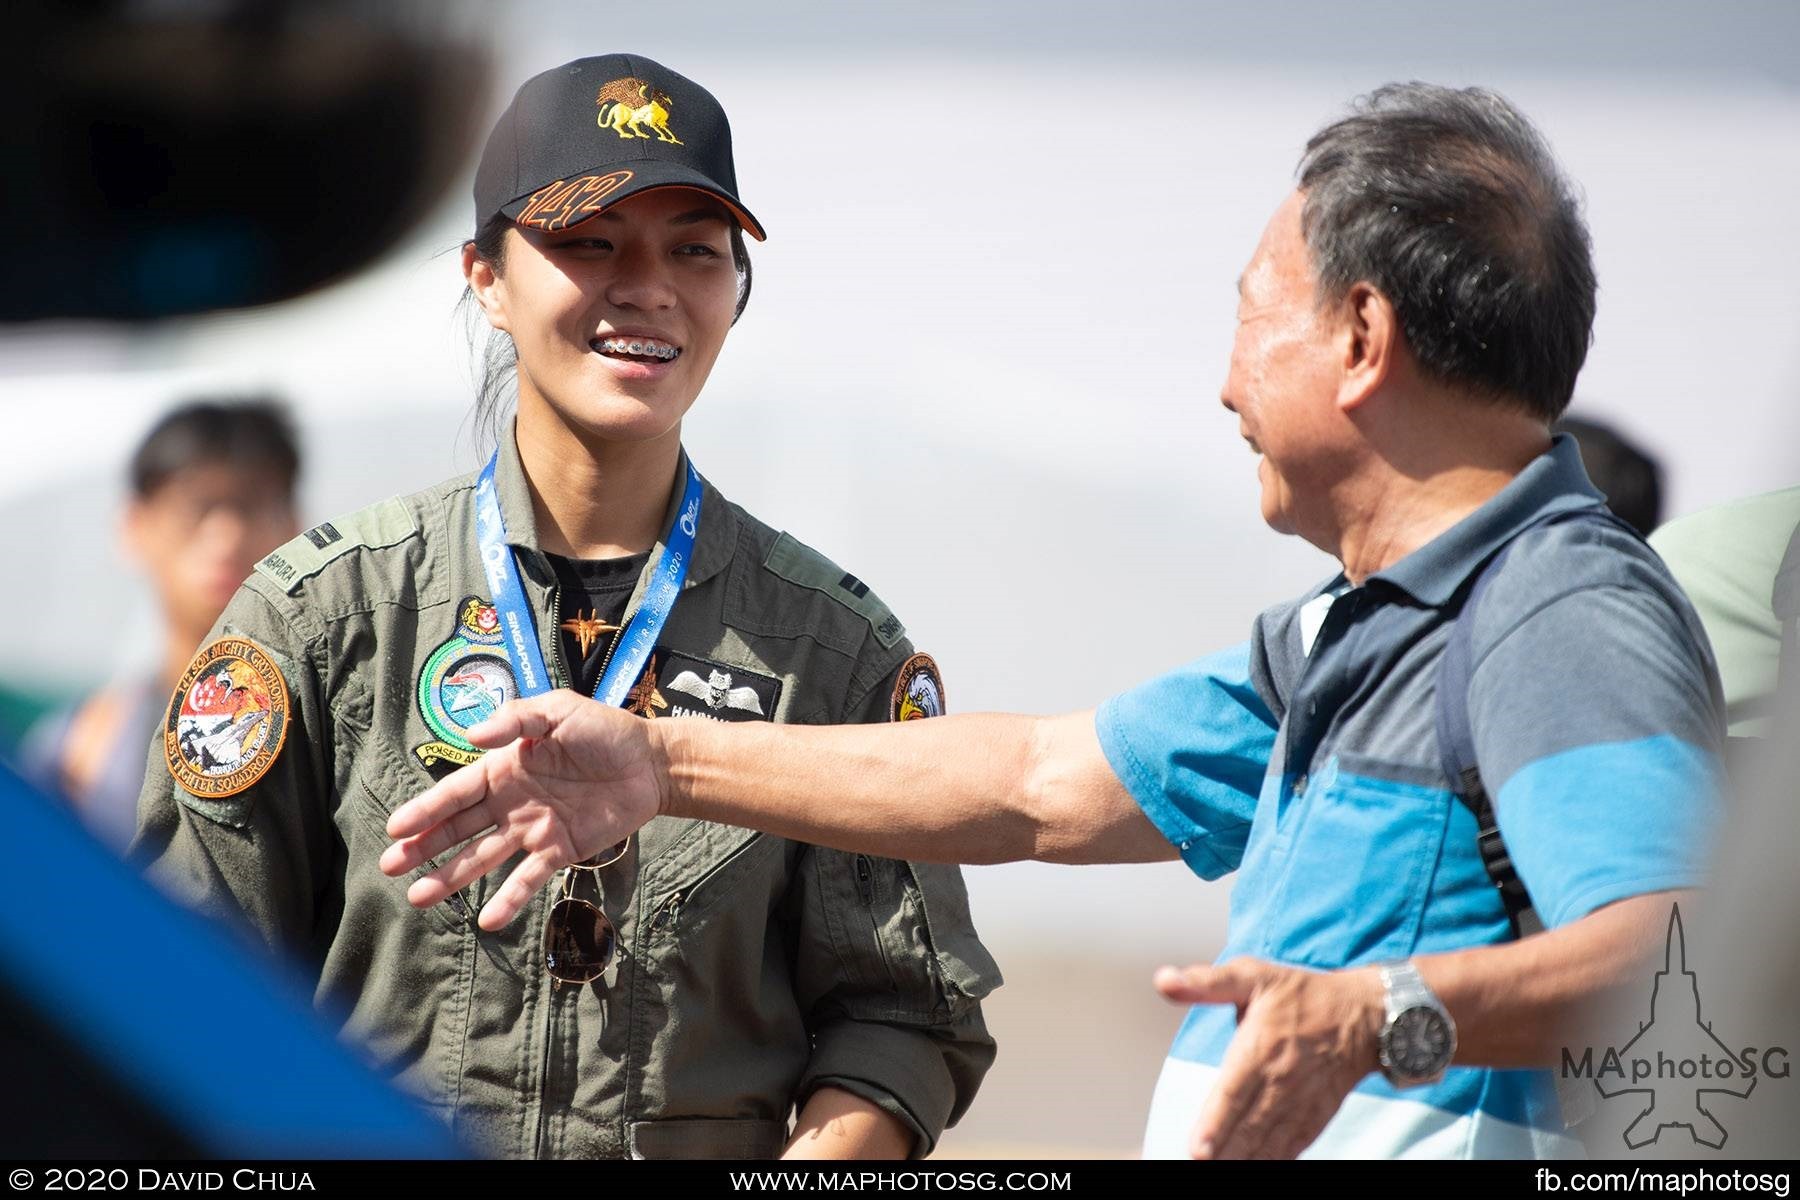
{"x": 462, "y": 684}
{"x": 227, "y": 719}
{"x": 918, "y": 691}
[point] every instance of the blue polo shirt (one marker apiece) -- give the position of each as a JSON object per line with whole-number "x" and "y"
{"x": 1307, "y": 761}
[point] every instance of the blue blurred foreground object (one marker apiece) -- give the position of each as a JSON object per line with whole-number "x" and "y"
{"x": 133, "y": 1028}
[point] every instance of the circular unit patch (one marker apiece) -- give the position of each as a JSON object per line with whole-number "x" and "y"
{"x": 462, "y": 685}
{"x": 919, "y": 691}
{"x": 227, "y": 719}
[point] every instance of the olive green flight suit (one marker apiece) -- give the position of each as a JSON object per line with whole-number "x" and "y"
{"x": 752, "y": 969}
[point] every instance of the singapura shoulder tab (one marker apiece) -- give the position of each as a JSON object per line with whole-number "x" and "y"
{"x": 799, "y": 563}
{"x": 384, "y": 524}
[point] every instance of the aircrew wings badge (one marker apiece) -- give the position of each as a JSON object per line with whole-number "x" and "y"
{"x": 227, "y": 720}
{"x": 699, "y": 687}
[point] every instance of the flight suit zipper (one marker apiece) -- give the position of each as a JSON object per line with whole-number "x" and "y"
{"x": 865, "y": 879}
{"x": 553, "y": 998}
{"x": 667, "y": 911}
{"x": 562, "y": 676}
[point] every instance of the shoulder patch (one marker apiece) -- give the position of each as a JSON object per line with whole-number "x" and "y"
{"x": 385, "y": 524}
{"x": 799, "y": 563}
{"x": 227, "y": 720}
{"x": 918, "y": 690}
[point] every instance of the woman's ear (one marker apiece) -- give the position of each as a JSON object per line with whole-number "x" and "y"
{"x": 486, "y": 285}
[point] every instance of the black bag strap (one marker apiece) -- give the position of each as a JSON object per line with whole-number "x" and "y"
{"x": 1456, "y": 737}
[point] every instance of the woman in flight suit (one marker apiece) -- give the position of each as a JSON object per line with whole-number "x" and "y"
{"x": 702, "y": 990}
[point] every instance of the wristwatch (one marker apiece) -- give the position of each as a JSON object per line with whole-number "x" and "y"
{"x": 1416, "y": 1044}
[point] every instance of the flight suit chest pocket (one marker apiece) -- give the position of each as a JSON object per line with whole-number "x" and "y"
{"x": 711, "y": 869}
{"x": 381, "y": 782}
{"x": 1358, "y": 864}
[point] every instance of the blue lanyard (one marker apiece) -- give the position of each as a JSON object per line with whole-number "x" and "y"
{"x": 641, "y": 632}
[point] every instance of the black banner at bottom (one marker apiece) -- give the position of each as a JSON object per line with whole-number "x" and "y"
{"x": 972, "y": 1176}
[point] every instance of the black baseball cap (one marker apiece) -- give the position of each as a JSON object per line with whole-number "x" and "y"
{"x": 592, "y": 132}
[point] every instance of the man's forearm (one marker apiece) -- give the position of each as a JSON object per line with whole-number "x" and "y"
{"x": 982, "y": 788}
{"x": 1520, "y": 1004}
{"x": 946, "y": 790}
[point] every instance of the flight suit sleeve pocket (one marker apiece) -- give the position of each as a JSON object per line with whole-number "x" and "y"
{"x": 903, "y": 946}
{"x": 964, "y": 970}
{"x": 233, "y": 812}
{"x": 893, "y": 976}
{"x": 693, "y": 1137}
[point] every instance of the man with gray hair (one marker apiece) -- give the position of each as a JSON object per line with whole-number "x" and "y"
{"x": 1460, "y": 782}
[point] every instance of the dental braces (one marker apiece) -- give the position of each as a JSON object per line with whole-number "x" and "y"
{"x": 624, "y": 346}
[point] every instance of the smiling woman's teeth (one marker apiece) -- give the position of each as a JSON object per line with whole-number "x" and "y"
{"x": 637, "y": 348}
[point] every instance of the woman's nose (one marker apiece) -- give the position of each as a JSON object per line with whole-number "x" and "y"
{"x": 641, "y": 281}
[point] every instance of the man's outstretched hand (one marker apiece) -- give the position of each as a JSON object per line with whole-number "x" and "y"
{"x": 563, "y": 779}
{"x": 1304, "y": 1040}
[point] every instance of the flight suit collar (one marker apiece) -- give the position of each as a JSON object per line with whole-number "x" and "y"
{"x": 1555, "y": 481}
{"x": 713, "y": 548}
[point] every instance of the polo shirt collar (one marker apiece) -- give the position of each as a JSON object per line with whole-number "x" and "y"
{"x": 1554, "y": 481}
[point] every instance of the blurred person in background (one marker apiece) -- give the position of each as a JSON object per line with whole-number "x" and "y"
{"x": 1409, "y": 327}
{"x": 697, "y": 990}
{"x": 212, "y": 492}
{"x": 1628, "y": 476}
{"x": 1739, "y": 562}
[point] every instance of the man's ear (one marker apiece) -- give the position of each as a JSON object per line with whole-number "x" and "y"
{"x": 486, "y": 285}
{"x": 1370, "y": 337}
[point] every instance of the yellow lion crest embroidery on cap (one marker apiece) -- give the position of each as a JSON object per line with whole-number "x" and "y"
{"x": 628, "y": 105}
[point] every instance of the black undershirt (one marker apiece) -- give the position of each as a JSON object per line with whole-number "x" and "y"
{"x": 591, "y": 597}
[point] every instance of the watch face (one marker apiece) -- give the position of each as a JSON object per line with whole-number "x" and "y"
{"x": 1418, "y": 1043}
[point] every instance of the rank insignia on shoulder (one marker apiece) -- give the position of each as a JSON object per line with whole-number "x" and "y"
{"x": 698, "y": 687}
{"x": 321, "y": 536}
{"x": 918, "y": 690}
{"x": 462, "y": 684}
{"x": 799, "y": 563}
{"x": 227, "y": 719}
{"x": 385, "y": 524}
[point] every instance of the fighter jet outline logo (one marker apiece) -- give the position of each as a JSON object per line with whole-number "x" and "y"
{"x": 1681, "y": 1101}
